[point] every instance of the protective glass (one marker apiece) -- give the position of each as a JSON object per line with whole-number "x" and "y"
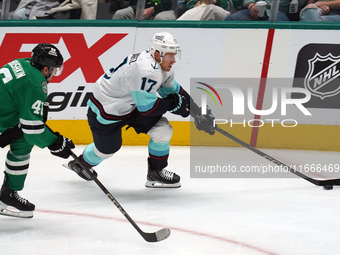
{"x": 56, "y": 71}
{"x": 172, "y": 56}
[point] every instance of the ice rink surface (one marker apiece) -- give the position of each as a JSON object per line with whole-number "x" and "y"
{"x": 287, "y": 216}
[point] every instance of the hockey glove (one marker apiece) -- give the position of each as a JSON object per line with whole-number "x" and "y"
{"x": 205, "y": 122}
{"x": 62, "y": 146}
{"x": 192, "y": 106}
{"x": 179, "y": 106}
{"x": 11, "y": 135}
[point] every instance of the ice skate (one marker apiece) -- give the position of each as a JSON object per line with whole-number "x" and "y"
{"x": 87, "y": 174}
{"x": 12, "y": 204}
{"x": 162, "y": 179}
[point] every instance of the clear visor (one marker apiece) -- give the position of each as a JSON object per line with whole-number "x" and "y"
{"x": 56, "y": 71}
{"x": 172, "y": 56}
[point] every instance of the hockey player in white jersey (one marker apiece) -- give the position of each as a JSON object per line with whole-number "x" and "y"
{"x": 136, "y": 94}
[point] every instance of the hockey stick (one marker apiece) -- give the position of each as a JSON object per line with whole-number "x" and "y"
{"x": 328, "y": 184}
{"x": 275, "y": 161}
{"x": 149, "y": 237}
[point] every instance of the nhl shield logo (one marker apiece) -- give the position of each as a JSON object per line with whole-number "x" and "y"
{"x": 322, "y": 77}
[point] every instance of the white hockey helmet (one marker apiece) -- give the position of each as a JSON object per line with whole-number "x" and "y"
{"x": 164, "y": 42}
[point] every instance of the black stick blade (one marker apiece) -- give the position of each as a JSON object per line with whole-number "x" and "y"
{"x": 160, "y": 235}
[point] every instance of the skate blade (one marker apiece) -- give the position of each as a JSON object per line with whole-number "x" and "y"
{"x": 155, "y": 184}
{"x": 13, "y": 212}
{"x": 66, "y": 166}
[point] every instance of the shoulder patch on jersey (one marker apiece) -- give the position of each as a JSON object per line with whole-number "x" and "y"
{"x": 44, "y": 86}
{"x": 134, "y": 58}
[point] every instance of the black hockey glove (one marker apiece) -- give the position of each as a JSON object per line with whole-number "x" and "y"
{"x": 192, "y": 106}
{"x": 11, "y": 135}
{"x": 62, "y": 146}
{"x": 179, "y": 106}
{"x": 205, "y": 122}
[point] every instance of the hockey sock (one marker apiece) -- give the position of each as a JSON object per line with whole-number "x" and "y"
{"x": 90, "y": 156}
{"x": 16, "y": 170}
{"x": 158, "y": 154}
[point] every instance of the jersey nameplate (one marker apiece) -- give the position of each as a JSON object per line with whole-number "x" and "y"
{"x": 17, "y": 69}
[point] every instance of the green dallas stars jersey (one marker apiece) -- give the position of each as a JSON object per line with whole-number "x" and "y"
{"x": 23, "y": 93}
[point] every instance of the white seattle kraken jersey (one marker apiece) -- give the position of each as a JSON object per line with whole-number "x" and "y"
{"x": 137, "y": 82}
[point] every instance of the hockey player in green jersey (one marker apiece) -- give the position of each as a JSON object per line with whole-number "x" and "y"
{"x": 23, "y": 113}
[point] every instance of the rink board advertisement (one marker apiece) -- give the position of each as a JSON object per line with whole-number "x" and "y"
{"x": 274, "y": 60}
{"x": 231, "y": 100}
